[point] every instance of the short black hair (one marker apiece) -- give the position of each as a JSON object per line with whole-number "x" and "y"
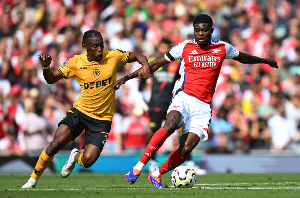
{"x": 203, "y": 18}
{"x": 89, "y": 34}
{"x": 166, "y": 41}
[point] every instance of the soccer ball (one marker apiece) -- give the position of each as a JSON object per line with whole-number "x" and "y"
{"x": 183, "y": 177}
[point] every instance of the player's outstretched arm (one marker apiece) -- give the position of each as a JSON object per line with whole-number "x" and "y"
{"x": 249, "y": 59}
{"x": 144, "y": 71}
{"x": 154, "y": 65}
{"x": 49, "y": 76}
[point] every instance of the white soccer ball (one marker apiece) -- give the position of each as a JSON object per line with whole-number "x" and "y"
{"x": 183, "y": 177}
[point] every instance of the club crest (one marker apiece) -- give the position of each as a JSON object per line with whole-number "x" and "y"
{"x": 96, "y": 72}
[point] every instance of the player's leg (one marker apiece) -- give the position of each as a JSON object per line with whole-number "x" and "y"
{"x": 173, "y": 122}
{"x": 92, "y": 149}
{"x": 187, "y": 143}
{"x": 94, "y": 141}
{"x": 196, "y": 118}
{"x": 156, "y": 120}
{"x": 61, "y": 138}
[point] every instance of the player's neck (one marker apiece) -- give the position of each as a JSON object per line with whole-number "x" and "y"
{"x": 90, "y": 59}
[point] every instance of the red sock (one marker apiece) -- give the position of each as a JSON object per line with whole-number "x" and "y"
{"x": 172, "y": 162}
{"x": 155, "y": 143}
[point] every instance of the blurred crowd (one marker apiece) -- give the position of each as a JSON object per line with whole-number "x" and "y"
{"x": 255, "y": 107}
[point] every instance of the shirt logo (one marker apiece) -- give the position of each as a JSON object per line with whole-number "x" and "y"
{"x": 96, "y": 72}
{"x": 215, "y": 51}
{"x": 194, "y": 52}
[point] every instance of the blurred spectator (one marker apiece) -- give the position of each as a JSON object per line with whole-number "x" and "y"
{"x": 292, "y": 108}
{"x": 240, "y": 135}
{"x": 11, "y": 144}
{"x": 266, "y": 111}
{"x": 35, "y": 128}
{"x": 283, "y": 130}
{"x": 2, "y": 116}
{"x": 259, "y": 132}
{"x": 115, "y": 141}
{"x": 221, "y": 129}
{"x": 136, "y": 127}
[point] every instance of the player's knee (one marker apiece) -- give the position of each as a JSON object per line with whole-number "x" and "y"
{"x": 185, "y": 151}
{"x": 171, "y": 125}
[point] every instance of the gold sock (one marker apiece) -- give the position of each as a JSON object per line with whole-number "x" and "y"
{"x": 78, "y": 159}
{"x": 41, "y": 165}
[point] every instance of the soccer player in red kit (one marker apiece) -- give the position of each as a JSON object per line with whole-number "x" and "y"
{"x": 201, "y": 61}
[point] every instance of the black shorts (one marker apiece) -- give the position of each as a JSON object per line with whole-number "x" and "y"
{"x": 156, "y": 119}
{"x": 96, "y": 131}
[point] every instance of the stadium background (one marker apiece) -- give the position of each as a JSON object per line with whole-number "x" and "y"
{"x": 246, "y": 97}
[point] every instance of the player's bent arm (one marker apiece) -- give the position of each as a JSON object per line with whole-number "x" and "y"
{"x": 249, "y": 59}
{"x": 157, "y": 63}
{"x": 140, "y": 58}
{"x": 154, "y": 65}
{"x": 52, "y": 77}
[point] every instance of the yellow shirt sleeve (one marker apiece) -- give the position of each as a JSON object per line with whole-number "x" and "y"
{"x": 68, "y": 68}
{"x": 122, "y": 56}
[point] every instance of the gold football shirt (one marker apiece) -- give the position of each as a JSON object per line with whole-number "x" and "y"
{"x": 96, "y": 80}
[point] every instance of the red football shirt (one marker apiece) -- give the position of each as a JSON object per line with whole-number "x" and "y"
{"x": 200, "y": 66}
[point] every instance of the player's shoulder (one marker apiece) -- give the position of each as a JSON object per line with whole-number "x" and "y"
{"x": 114, "y": 52}
{"x": 218, "y": 41}
{"x": 184, "y": 43}
{"x": 74, "y": 59}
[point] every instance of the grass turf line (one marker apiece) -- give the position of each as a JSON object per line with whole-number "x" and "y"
{"x": 114, "y": 185}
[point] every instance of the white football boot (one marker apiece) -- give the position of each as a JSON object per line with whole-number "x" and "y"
{"x": 70, "y": 164}
{"x": 196, "y": 168}
{"x": 30, "y": 184}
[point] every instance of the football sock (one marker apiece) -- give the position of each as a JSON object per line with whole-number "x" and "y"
{"x": 172, "y": 162}
{"x": 155, "y": 143}
{"x": 138, "y": 168}
{"x": 156, "y": 175}
{"x": 78, "y": 159}
{"x": 41, "y": 165}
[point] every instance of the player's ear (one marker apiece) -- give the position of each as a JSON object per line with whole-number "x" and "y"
{"x": 212, "y": 30}
{"x": 84, "y": 46}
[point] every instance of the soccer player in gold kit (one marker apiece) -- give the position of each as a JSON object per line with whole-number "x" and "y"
{"x": 95, "y": 71}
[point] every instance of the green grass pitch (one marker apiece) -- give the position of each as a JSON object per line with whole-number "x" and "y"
{"x": 114, "y": 185}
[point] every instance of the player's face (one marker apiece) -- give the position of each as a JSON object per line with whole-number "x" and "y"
{"x": 202, "y": 33}
{"x": 163, "y": 48}
{"x": 94, "y": 47}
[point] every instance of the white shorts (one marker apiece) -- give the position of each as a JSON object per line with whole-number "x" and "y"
{"x": 196, "y": 114}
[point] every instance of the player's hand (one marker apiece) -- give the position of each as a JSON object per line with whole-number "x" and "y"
{"x": 144, "y": 72}
{"x": 45, "y": 59}
{"x": 272, "y": 63}
{"x": 119, "y": 82}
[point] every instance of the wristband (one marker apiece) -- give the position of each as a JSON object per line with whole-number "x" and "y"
{"x": 126, "y": 78}
{"x": 46, "y": 67}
